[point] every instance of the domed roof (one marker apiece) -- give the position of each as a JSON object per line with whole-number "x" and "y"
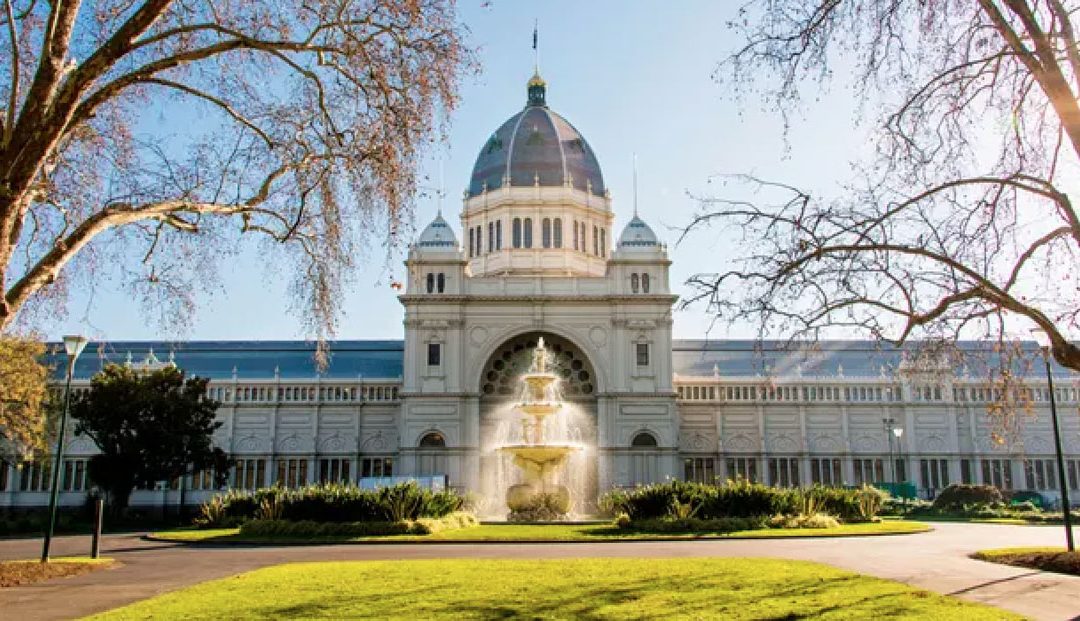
{"x": 536, "y": 146}
{"x": 637, "y": 234}
{"x": 438, "y": 234}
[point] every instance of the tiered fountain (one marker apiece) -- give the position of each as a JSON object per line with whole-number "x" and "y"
{"x": 540, "y": 495}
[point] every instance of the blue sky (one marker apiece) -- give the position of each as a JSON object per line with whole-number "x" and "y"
{"x": 632, "y": 77}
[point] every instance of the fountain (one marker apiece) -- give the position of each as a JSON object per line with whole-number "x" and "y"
{"x": 540, "y": 496}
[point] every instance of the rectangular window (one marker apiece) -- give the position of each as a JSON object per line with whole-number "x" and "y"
{"x": 869, "y": 471}
{"x": 203, "y": 480}
{"x": 74, "y": 478}
{"x": 700, "y": 469}
{"x": 997, "y": 472}
{"x": 376, "y": 467}
{"x": 249, "y": 473}
{"x": 967, "y": 475}
{"x": 498, "y": 235}
{"x": 434, "y": 354}
{"x": 334, "y": 470}
{"x": 4, "y": 475}
{"x": 292, "y": 472}
{"x": 35, "y": 477}
{"x": 826, "y": 471}
{"x": 1040, "y": 474}
{"x": 935, "y": 474}
{"x": 742, "y": 468}
{"x": 784, "y": 471}
{"x": 1072, "y": 471}
{"x": 642, "y": 352}
{"x": 491, "y": 236}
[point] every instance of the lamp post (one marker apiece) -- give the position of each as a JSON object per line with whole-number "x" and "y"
{"x": 890, "y": 431}
{"x": 899, "y": 432}
{"x": 73, "y": 345}
{"x": 1043, "y": 339}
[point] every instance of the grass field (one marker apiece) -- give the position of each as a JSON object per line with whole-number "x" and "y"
{"x": 554, "y": 589}
{"x": 547, "y": 532}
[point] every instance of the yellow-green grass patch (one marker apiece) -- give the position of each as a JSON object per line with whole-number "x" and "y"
{"x": 554, "y": 589}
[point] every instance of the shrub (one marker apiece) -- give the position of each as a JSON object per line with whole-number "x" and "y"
{"x": 805, "y": 520}
{"x": 310, "y": 529}
{"x": 332, "y": 502}
{"x": 959, "y": 495}
{"x": 693, "y": 525}
{"x": 540, "y": 508}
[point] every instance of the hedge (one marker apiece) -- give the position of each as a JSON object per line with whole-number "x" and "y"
{"x": 332, "y": 502}
{"x": 312, "y": 529}
{"x": 742, "y": 499}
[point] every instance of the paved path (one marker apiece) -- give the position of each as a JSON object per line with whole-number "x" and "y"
{"x": 936, "y": 561}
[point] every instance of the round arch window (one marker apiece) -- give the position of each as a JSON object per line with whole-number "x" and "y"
{"x": 433, "y": 439}
{"x": 644, "y": 440}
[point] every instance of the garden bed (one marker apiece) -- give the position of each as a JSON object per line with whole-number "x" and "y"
{"x": 18, "y": 573}
{"x": 1045, "y": 559}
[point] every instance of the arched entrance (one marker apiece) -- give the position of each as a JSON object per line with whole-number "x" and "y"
{"x": 500, "y": 388}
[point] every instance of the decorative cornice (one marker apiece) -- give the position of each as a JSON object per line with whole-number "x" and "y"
{"x": 637, "y": 298}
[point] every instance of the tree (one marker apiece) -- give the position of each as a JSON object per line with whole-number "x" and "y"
{"x": 963, "y": 221}
{"x": 149, "y": 427}
{"x": 296, "y": 125}
{"x": 23, "y": 395}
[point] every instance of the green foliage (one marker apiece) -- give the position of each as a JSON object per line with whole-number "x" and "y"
{"x": 695, "y": 525}
{"x": 310, "y": 529}
{"x": 958, "y": 495}
{"x": 681, "y": 499}
{"x": 330, "y": 502}
{"x": 806, "y": 520}
{"x": 149, "y": 427}
{"x": 540, "y": 507}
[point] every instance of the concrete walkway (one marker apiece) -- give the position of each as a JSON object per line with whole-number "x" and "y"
{"x": 936, "y": 561}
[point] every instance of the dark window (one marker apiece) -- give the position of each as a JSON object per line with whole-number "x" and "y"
{"x": 472, "y": 241}
{"x": 434, "y": 354}
{"x": 516, "y": 233}
{"x": 557, "y": 232}
{"x": 430, "y": 283}
{"x": 603, "y": 242}
{"x": 498, "y": 235}
{"x": 595, "y": 240}
{"x": 479, "y": 239}
{"x": 491, "y": 236}
{"x": 644, "y": 283}
{"x": 441, "y": 282}
{"x": 643, "y": 440}
{"x": 635, "y": 282}
{"x": 528, "y": 232}
{"x": 433, "y": 440}
{"x": 545, "y": 232}
{"x": 642, "y": 351}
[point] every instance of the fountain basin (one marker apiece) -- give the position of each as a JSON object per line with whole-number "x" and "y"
{"x": 541, "y": 453}
{"x": 539, "y": 408}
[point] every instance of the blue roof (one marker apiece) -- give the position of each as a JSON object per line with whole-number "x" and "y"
{"x": 866, "y": 359}
{"x": 251, "y": 359}
{"x": 385, "y": 359}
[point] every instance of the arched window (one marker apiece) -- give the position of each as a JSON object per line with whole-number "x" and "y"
{"x": 516, "y": 233}
{"x": 479, "y": 239}
{"x": 644, "y": 283}
{"x": 545, "y": 232}
{"x": 584, "y": 238}
{"x": 491, "y": 236}
{"x": 472, "y": 246}
{"x": 498, "y": 235}
{"x": 430, "y": 283}
{"x": 644, "y": 440}
{"x": 575, "y": 235}
{"x": 434, "y": 439}
{"x": 557, "y": 232}
{"x": 634, "y": 281}
{"x": 595, "y": 240}
{"x": 603, "y": 242}
{"x": 441, "y": 282}
{"x": 528, "y": 232}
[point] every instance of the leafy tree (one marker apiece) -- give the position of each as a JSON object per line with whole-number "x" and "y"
{"x": 963, "y": 221}
{"x": 150, "y": 427}
{"x": 23, "y": 395}
{"x": 296, "y": 127}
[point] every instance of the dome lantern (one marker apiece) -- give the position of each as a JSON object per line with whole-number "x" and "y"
{"x": 537, "y": 89}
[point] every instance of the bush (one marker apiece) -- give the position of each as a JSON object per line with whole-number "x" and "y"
{"x": 960, "y": 496}
{"x": 310, "y": 529}
{"x": 540, "y": 508}
{"x": 332, "y": 502}
{"x": 693, "y": 525}
{"x": 680, "y": 499}
{"x": 811, "y": 520}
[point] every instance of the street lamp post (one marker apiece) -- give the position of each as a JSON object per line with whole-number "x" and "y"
{"x": 73, "y": 345}
{"x": 890, "y": 431}
{"x": 1043, "y": 340}
{"x": 899, "y": 432}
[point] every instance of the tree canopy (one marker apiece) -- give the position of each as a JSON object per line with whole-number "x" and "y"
{"x": 23, "y": 395}
{"x": 962, "y": 221}
{"x": 153, "y": 139}
{"x": 149, "y": 426}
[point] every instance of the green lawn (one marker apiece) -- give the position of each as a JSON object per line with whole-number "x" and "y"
{"x": 547, "y": 532}
{"x": 554, "y": 589}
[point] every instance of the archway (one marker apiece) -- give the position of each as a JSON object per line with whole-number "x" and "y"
{"x": 500, "y": 387}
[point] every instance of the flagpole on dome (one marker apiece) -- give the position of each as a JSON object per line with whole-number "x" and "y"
{"x": 536, "y": 47}
{"x": 635, "y": 185}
